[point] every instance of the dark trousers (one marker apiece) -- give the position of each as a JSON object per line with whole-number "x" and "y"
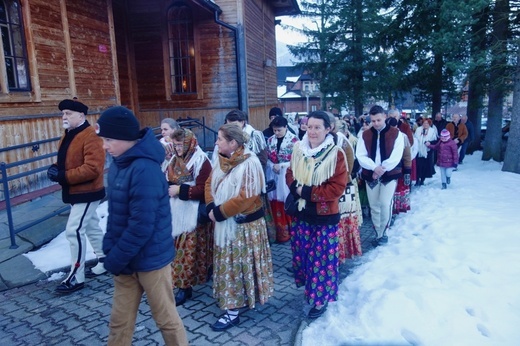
{"x": 463, "y": 149}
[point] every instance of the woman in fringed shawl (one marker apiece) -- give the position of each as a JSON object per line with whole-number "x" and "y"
{"x": 318, "y": 177}
{"x": 423, "y": 134}
{"x": 348, "y": 227}
{"x": 255, "y": 142}
{"x": 279, "y": 149}
{"x": 243, "y": 272}
{"x": 187, "y": 174}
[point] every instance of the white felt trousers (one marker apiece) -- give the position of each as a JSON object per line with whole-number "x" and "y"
{"x": 381, "y": 198}
{"x": 83, "y": 223}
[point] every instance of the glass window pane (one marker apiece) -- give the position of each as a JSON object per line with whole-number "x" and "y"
{"x": 3, "y": 14}
{"x": 18, "y": 43}
{"x": 9, "y": 67}
{"x": 6, "y": 41}
{"x": 14, "y": 14}
{"x": 23, "y": 78}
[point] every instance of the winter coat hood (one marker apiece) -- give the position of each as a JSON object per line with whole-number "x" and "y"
{"x": 147, "y": 147}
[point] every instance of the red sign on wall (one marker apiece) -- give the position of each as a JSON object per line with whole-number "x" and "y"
{"x": 103, "y": 48}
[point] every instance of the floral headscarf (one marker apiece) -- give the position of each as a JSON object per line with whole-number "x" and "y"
{"x": 178, "y": 173}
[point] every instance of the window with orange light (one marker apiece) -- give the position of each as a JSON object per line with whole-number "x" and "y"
{"x": 181, "y": 50}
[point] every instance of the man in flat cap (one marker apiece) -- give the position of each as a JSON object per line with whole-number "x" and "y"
{"x": 79, "y": 171}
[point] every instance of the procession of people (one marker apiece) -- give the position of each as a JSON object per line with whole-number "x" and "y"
{"x": 179, "y": 218}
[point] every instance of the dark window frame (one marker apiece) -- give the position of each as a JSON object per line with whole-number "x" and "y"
{"x": 14, "y": 48}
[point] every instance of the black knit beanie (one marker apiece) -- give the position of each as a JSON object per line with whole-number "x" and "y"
{"x": 118, "y": 123}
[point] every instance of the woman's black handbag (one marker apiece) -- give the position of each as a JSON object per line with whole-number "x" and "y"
{"x": 270, "y": 185}
{"x": 291, "y": 205}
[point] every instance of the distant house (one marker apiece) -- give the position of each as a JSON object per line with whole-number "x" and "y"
{"x": 179, "y": 59}
{"x": 298, "y": 91}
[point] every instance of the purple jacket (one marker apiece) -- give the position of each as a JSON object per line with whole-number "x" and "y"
{"x": 448, "y": 155}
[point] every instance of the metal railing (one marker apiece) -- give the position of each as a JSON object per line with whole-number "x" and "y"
{"x": 6, "y": 178}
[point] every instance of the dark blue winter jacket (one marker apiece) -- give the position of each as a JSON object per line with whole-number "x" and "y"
{"x": 139, "y": 228}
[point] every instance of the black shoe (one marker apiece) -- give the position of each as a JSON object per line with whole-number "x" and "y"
{"x": 69, "y": 287}
{"x": 226, "y": 323}
{"x": 315, "y": 313}
{"x": 379, "y": 241}
{"x": 443, "y": 186}
{"x": 183, "y": 294}
{"x": 97, "y": 270}
{"x": 448, "y": 180}
{"x": 90, "y": 274}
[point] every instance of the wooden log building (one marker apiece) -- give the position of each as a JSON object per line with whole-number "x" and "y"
{"x": 160, "y": 58}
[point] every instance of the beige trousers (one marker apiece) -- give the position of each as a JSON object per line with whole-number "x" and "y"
{"x": 128, "y": 290}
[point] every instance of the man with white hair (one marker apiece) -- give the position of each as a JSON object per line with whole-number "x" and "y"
{"x": 458, "y": 131}
{"x": 79, "y": 171}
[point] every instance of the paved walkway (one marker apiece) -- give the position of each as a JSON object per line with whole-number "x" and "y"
{"x": 31, "y": 314}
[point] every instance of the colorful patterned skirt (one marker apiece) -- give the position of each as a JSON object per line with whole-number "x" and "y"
{"x": 194, "y": 256}
{"x": 243, "y": 272}
{"x": 349, "y": 239}
{"x": 348, "y": 228}
{"x": 282, "y": 221}
{"x": 413, "y": 175}
{"x": 401, "y": 197}
{"x": 315, "y": 260}
{"x": 269, "y": 221}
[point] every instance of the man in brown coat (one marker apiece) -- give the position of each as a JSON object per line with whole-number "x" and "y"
{"x": 458, "y": 131}
{"x": 79, "y": 171}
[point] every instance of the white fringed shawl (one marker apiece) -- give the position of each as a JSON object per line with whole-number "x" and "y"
{"x": 185, "y": 213}
{"x": 256, "y": 142}
{"x": 310, "y": 170}
{"x": 247, "y": 176}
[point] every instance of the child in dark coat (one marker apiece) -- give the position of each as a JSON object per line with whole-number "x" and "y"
{"x": 447, "y": 157}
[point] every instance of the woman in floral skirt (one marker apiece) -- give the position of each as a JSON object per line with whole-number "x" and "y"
{"x": 193, "y": 236}
{"x": 318, "y": 178}
{"x": 243, "y": 272}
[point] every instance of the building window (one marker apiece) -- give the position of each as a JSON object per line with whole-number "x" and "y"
{"x": 182, "y": 50}
{"x": 15, "y": 74}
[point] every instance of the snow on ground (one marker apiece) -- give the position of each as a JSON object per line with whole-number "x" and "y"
{"x": 56, "y": 254}
{"x": 449, "y": 275}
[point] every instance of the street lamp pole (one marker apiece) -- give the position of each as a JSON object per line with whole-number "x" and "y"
{"x": 307, "y": 95}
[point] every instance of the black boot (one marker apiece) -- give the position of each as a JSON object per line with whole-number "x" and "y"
{"x": 443, "y": 186}
{"x": 448, "y": 180}
{"x": 183, "y": 294}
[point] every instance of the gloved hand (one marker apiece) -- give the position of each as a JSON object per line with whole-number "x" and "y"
{"x": 407, "y": 180}
{"x": 52, "y": 173}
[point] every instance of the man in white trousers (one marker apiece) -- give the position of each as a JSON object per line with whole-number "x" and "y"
{"x": 79, "y": 171}
{"x": 379, "y": 152}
